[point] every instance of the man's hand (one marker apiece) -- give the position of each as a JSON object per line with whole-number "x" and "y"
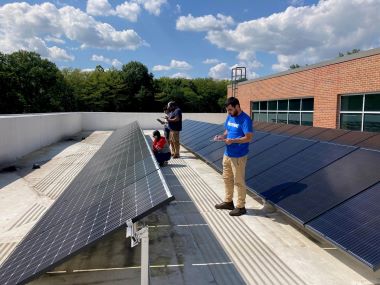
{"x": 228, "y": 141}
{"x": 219, "y": 138}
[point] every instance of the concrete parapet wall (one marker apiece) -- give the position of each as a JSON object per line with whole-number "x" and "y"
{"x": 22, "y": 134}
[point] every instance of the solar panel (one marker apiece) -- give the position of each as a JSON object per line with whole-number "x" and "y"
{"x": 274, "y": 155}
{"x": 203, "y": 136}
{"x": 188, "y": 131}
{"x": 121, "y": 182}
{"x": 311, "y": 132}
{"x": 353, "y": 137}
{"x": 261, "y": 141}
{"x": 197, "y": 134}
{"x": 297, "y": 167}
{"x": 271, "y": 127}
{"x": 207, "y": 139}
{"x": 282, "y": 128}
{"x": 330, "y": 186}
{"x": 329, "y": 134}
{"x": 354, "y": 226}
{"x": 372, "y": 142}
{"x": 294, "y": 131}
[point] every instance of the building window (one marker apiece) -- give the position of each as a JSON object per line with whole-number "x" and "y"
{"x": 287, "y": 111}
{"x": 360, "y": 112}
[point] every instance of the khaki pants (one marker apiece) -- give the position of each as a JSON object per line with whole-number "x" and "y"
{"x": 174, "y": 142}
{"x": 234, "y": 176}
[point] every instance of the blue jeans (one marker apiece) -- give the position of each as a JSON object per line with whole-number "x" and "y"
{"x": 162, "y": 157}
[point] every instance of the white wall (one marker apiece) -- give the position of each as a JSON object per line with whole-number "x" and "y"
{"x": 22, "y": 134}
{"x": 107, "y": 120}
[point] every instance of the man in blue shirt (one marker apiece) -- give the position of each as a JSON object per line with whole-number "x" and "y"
{"x": 237, "y": 136}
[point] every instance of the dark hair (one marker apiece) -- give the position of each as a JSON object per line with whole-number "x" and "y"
{"x": 156, "y": 134}
{"x": 165, "y": 108}
{"x": 232, "y": 101}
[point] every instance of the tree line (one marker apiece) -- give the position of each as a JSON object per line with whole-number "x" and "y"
{"x": 31, "y": 84}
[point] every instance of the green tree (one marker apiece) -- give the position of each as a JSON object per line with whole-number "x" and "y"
{"x": 11, "y": 101}
{"x": 294, "y": 66}
{"x": 138, "y": 91}
{"x": 39, "y": 82}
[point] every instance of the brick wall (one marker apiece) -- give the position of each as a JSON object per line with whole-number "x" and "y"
{"x": 324, "y": 83}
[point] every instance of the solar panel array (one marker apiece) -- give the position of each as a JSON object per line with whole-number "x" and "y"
{"x": 324, "y": 179}
{"x": 122, "y": 181}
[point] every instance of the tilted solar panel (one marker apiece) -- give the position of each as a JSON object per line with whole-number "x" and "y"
{"x": 354, "y": 226}
{"x": 121, "y": 182}
{"x": 297, "y": 167}
{"x": 274, "y": 155}
{"x": 330, "y": 186}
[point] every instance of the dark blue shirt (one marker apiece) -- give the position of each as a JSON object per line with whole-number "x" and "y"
{"x": 237, "y": 127}
{"x": 175, "y": 126}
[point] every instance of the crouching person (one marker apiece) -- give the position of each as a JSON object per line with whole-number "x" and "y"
{"x": 160, "y": 148}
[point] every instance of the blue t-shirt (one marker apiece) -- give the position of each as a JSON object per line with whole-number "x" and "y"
{"x": 237, "y": 127}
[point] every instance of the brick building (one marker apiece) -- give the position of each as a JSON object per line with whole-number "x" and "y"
{"x": 341, "y": 93}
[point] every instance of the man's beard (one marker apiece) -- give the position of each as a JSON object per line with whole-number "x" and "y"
{"x": 235, "y": 113}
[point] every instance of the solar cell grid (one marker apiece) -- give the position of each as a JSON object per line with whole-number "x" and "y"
{"x": 104, "y": 195}
{"x": 296, "y": 168}
{"x": 330, "y": 186}
{"x": 354, "y": 226}
{"x": 276, "y": 154}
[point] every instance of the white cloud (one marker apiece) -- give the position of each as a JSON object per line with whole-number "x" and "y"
{"x": 99, "y": 8}
{"x": 87, "y": 69}
{"x": 152, "y": 6}
{"x": 220, "y": 71}
{"x": 210, "y": 61}
{"x": 223, "y": 71}
{"x": 56, "y": 53}
{"x": 32, "y": 27}
{"x": 129, "y": 11}
{"x": 54, "y": 40}
{"x": 181, "y": 75}
{"x": 114, "y": 62}
{"x": 308, "y": 34}
{"x": 204, "y": 23}
{"x": 174, "y": 64}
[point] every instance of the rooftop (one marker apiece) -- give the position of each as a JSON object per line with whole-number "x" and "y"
{"x": 190, "y": 241}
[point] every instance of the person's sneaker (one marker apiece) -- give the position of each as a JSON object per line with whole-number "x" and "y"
{"x": 225, "y": 206}
{"x": 175, "y": 156}
{"x": 238, "y": 212}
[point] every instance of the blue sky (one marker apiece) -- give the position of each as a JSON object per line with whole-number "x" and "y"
{"x": 190, "y": 38}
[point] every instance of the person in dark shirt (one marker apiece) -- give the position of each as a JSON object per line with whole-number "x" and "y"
{"x": 237, "y": 136}
{"x": 160, "y": 148}
{"x": 174, "y": 119}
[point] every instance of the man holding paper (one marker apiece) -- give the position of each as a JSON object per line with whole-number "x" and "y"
{"x": 237, "y": 136}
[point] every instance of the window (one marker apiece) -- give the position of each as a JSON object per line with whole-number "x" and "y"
{"x": 286, "y": 111}
{"x": 360, "y": 112}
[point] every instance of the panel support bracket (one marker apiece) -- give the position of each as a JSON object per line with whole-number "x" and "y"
{"x": 140, "y": 236}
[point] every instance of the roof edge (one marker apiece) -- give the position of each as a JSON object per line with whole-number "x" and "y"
{"x": 361, "y": 54}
